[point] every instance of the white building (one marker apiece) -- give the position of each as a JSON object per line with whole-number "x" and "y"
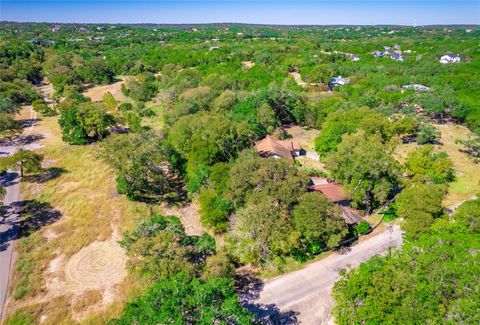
{"x": 450, "y": 58}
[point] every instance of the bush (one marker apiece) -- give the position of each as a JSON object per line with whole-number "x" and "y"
{"x": 39, "y": 106}
{"x": 19, "y": 318}
{"x": 427, "y": 134}
{"x": 362, "y": 228}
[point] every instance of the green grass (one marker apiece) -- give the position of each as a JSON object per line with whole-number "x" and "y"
{"x": 19, "y": 318}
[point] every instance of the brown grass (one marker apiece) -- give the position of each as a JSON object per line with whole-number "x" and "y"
{"x": 91, "y": 212}
{"x": 96, "y": 93}
{"x": 467, "y": 173}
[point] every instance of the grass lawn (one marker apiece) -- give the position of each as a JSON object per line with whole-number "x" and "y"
{"x": 467, "y": 182}
{"x": 467, "y": 173}
{"x": 81, "y": 193}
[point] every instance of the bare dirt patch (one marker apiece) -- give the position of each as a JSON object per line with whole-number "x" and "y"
{"x": 188, "y": 215}
{"x": 247, "y": 65}
{"x": 306, "y": 136}
{"x": 99, "y": 265}
{"x": 96, "y": 93}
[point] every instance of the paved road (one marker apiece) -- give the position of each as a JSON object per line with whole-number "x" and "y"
{"x": 308, "y": 291}
{"x": 8, "y": 231}
{"x": 11, "y": 182}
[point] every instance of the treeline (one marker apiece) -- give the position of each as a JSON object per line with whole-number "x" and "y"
{"x": 433, "y": 279}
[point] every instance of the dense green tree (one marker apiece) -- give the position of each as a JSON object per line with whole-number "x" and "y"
{"x": 468, "y": 216}
{"x": 218, "y": 266}
{"x": 419, "y": 204}
{"x": 279, "y": 179}
{"x": 7, "y": 123}
{"x": 225, "y": 101}
{"x": 262, "y": 231}
{"x": 424, "y": 164}
{"x": 214, "y": 210}
{"x": 433, "y": 279}
{"x": 83, "y": 123}
{"x": 143, "y": 165}
{"x": 96, "y": 71}
{"x": 342, "y": 122}
{"x": 206, "y": 138}
{"x": 366, "y": 168}
{"x": 319, "y": 74}
{"x": 26, "y": 161}
{"x": 183, "y": 300}
{"x": 318, "y": 220}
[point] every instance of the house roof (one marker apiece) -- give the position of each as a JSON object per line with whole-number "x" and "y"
{"x": 339, "y": 80}
{"x": 333, "y": 191}
{"x": 416, "y": 87}
{"x": 270, "y": 146}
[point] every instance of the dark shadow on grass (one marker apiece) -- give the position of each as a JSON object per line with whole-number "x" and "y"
{"x": 26, "y": 123}
{"x": 21, "y": 140}
{"x": 248, "y": 288}
{"x": 46, "y": 175}
{"x": 35, "y": 215}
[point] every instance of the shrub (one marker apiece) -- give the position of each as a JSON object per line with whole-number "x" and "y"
{"x": 362, "y": 228}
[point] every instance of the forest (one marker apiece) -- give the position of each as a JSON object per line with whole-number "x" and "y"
{"x": 194, "y": 101}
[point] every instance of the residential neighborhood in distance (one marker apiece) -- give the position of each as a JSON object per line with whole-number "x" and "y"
{"x": 162, "y": 165}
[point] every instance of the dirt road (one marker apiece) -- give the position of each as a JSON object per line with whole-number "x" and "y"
{"x": 308, "y": 291}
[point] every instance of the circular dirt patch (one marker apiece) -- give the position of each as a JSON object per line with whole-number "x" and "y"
{"x": 99, "y": 265}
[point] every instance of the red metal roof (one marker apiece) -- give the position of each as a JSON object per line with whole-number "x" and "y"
{"x": 333, "y": 191}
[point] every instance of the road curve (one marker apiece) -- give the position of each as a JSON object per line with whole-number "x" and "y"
{"x": 308, "y": 291}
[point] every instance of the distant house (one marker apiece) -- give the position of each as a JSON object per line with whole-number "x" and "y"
{"x": 215, "y": 39}
{"x": 450, "y": 58}
{"x": 338, "y": 81}
{"x": 96, "y": 38}
{"x": 34, "y": 41}
{"x": 214, "y": 48}
{"x": 271, "y": 147}
{"x": 397, "y": 56}
{"x": 416, "y": 87}
{"x": 335, "y": 193}
{"x": 354, "y": 57}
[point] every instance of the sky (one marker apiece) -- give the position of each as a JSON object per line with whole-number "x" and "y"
{"x": 313, "y": 12}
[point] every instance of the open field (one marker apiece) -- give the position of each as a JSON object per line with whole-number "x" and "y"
{"x": 70, "y": 264}
{"x": 467, "y": 173}
{"x": 96, "y": 93}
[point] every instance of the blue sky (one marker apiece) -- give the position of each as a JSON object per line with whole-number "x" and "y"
{"x": 403, "y": 12}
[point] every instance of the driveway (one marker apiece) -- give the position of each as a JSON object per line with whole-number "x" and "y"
{"x": 307, "y": 292}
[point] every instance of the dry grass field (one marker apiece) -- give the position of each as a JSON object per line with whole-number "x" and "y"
{"x": 467, "y": 173}
{"x": 70, "y": 266}
{"x": 96, "y": 93}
